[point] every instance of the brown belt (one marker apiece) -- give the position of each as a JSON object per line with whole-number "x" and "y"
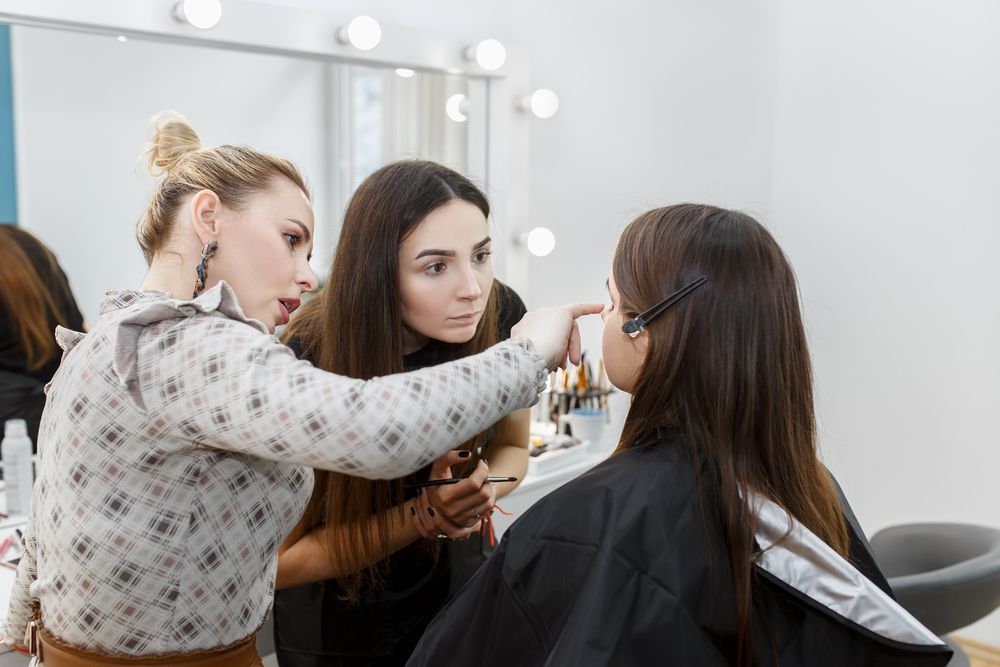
{"x": 55, "y": 653}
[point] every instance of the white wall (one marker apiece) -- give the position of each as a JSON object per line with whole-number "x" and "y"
{"x": 81, "y": 107}
{"x": 660, "y": 103}
{"x": 886, "y": 196}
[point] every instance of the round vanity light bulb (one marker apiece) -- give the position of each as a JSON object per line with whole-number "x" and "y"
{"x": 203, "y": 14}
{"x": 404, "y": 73}
{"x": 541, "y": 241}
{"x": 122, "y": 38}
{"x": 544, "y": 103}
{"x": 363, "y": 32}
{"x": 490, "y": 54}
{"x": 456, "y": 107}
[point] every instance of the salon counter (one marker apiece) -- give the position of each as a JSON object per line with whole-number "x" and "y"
{"x": 536, "y": 485}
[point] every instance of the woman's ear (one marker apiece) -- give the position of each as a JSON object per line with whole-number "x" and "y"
{"x": 205, "y": 208}
{"x": 641, "y": 343}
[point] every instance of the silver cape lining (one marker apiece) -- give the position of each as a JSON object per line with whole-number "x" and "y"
{"x": 796, "y": 556}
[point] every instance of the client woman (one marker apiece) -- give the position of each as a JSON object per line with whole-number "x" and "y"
{"x": 713, "y": 535}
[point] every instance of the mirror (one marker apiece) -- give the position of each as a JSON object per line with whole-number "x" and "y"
{"x": 81, "y": 103}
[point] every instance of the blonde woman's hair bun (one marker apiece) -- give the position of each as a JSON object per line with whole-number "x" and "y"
{"x": 233, "y": 173}
{"x": 171, "y": 140}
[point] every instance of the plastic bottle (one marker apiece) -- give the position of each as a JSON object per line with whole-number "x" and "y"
{"x": 18, "y": 473}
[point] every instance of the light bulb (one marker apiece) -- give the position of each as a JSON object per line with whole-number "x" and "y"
{"x": 544, "y": 103}
{"x": 363, "y": 32}
{"x": 489, "y": 54}
{"x": 455, "y": 107}
{"x": 540, "y": 241}
{"x": 203, "y": 14}
{"x": 404, "y": 72}
{"x": 122, "y": 38}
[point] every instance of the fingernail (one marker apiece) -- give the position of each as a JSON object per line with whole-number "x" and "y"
{"x": 464, "y": 454}
{"x": 430, "y": 510}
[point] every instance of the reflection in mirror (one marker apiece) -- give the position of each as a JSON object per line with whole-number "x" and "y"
{"x": 393, "y": 116}
{"x": 81, "y": 103}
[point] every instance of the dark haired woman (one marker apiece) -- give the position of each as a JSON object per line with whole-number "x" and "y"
{"x": 412, "y": 285}
{"x": 713, "y": 535}
{"x": 36, "y": 299}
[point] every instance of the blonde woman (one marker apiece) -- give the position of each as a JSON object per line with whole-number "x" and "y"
{"x": 178, "y": 434}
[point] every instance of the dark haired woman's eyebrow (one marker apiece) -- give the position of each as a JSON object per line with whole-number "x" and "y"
{"x": 437, "y": 252}
{"x": 305, "y": 230}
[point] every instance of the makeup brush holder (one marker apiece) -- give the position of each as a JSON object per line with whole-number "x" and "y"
{"x": 585, "y": 423}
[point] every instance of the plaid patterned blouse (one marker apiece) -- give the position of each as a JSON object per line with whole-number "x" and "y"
{"x": 176, "y": 448}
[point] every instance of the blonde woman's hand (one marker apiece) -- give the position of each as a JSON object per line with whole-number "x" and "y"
{"x": 554, "y": 333}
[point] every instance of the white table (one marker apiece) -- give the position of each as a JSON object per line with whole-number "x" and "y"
{"x": 536, "y": 485}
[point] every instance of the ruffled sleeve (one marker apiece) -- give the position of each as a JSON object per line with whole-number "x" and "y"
{"x": 220, "y": 300}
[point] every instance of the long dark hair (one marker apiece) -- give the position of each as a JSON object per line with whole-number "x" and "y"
{"x": 25, "y": 290}
{"x": 355, "y": 328}
{"x": 729, "y": 368}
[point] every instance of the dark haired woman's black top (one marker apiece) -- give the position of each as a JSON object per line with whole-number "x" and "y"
{"x": 21, "y": 395}
{"x": 624, "y": 566}
{"x": 313, "y": 626}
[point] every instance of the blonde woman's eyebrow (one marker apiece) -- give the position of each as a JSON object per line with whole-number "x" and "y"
{"x": 438, "y": 252}
{"x": 305, "y": 230}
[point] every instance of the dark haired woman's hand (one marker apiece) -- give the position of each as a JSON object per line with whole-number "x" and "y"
{"x": 462, "y": 504}
{"x": 554, "y": 332}
{"x": 423, "y": 519}
{"x": 432, "y": 523}
{"x": 465, "y": 503}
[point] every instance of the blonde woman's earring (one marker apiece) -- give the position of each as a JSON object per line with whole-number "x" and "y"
{"x": 207, "y": 252}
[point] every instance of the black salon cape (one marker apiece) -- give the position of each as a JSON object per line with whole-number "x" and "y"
{"x": 619, "y": 567}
